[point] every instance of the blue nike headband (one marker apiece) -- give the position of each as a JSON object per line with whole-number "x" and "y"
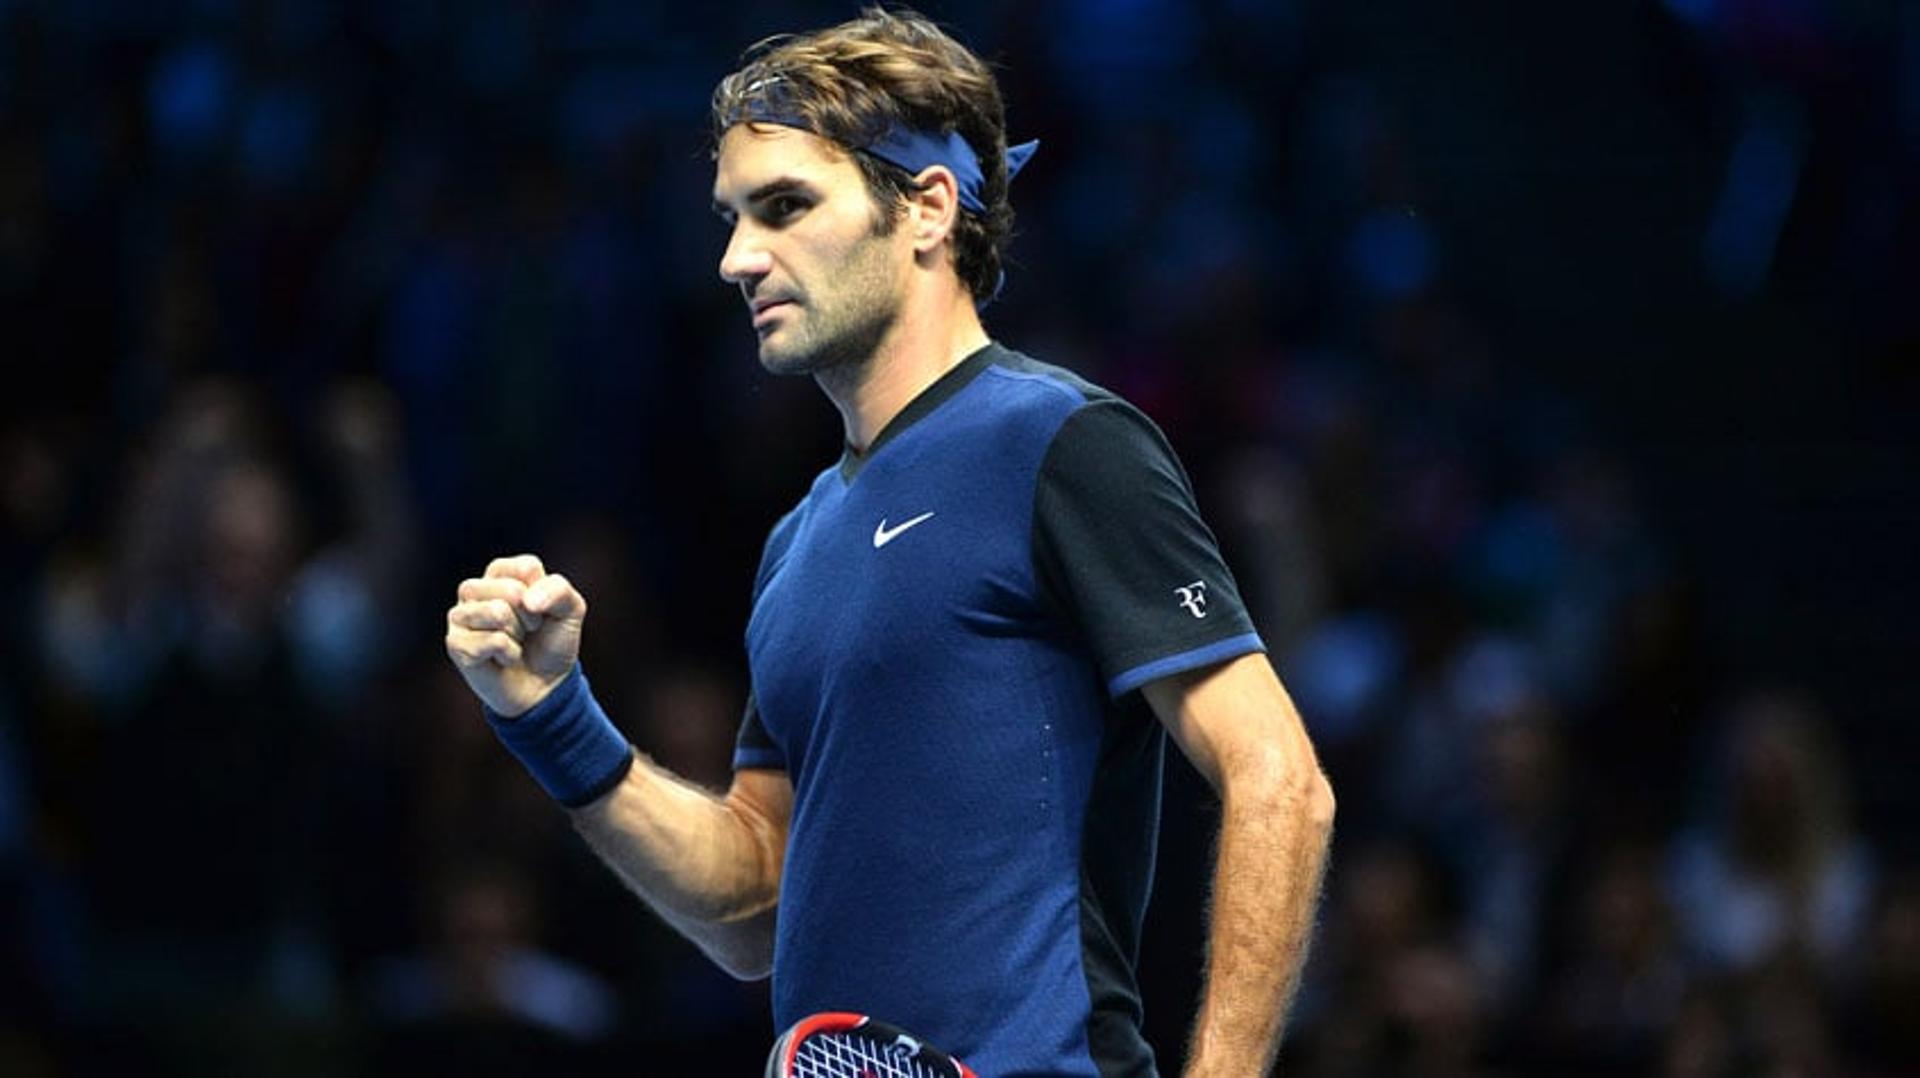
{"x": 906, "y": 147}
{"x": 916, "y": 150}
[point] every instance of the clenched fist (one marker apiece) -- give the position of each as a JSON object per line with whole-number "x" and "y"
{"x": 515, "y": 633}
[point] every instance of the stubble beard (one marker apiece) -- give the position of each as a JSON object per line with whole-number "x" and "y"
{"x": 844, "y": 331}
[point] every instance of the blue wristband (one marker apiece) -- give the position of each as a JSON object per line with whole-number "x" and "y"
{"x": 568, "y": 743}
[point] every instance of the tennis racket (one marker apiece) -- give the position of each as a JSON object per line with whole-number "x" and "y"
{"x": 839, "y": 1045}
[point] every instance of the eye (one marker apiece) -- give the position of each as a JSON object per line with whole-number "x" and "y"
{"x": 783, "y": 207}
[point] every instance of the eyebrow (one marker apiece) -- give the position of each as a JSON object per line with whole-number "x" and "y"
{"x": 783, "y": 185}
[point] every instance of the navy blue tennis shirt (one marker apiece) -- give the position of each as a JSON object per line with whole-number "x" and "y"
{"x": 947, "y": 637}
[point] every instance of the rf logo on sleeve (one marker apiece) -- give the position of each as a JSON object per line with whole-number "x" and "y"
{"x": 1194, "y": 597}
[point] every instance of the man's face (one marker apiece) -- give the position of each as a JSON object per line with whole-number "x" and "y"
{"x": 821, "y": 279}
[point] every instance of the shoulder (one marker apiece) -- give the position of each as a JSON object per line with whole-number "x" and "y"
{"x": 1021, "y": 391}
{"x": 1090, "y": 403}
{"x": 1033, "y": 383}
{"x": 1024, "y": 380}
{"x": 1079, "y": 431}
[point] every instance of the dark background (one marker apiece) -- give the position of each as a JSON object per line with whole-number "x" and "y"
{"x": 1547, "y": 371}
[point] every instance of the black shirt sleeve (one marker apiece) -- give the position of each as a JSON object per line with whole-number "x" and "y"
{"x": 1123, "y": 555}
{"x": 754, "y": 747}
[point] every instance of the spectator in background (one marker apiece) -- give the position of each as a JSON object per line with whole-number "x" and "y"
{"x": 1773, "y": 891}
{"x": 1386, "y": 903}
{"x": 196, "y": 895}
{"x": 340, "y": 598}
{"x": 1622, "y": 983}
{"x": 1439, "y": 1014}
{"x": 215, "y": 554}
{"x": 484, "y": 968}
{"x": 1773, "y": 870}
{"x": 210, "y": 654}
{"x": 1769, "y": 1024}
{"x": 1516, "y": 847}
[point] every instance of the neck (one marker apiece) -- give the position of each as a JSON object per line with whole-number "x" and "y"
{"x": 930, "y": 338}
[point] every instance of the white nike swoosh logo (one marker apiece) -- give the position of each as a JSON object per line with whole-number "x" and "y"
{"x": 882, "y": 536}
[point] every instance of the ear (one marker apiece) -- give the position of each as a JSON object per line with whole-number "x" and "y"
{"x": 933, "y": 209}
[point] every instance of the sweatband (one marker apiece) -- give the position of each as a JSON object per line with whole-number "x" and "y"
{"x": 916, "y": 150}
{"x": 567, "y": 742}
{"x": 910, "y": 148}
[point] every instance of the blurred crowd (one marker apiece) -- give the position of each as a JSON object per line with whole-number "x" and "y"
{"x": 321, "y": 306}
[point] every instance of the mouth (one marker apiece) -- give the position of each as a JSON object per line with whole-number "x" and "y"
{"x": 765, "y": 310}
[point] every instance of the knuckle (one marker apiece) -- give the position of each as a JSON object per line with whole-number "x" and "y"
{"x": 514, "y": 567}
{"x": 565, "y": 588}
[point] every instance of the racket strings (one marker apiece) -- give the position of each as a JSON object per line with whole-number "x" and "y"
{"x": 826, "y": 1055}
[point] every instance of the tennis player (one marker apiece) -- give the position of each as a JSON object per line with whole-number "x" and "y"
{"x": 968, "y": 640}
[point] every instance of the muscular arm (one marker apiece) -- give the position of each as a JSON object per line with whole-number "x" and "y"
{"x": 1237, "y": 725}
{"x": 710, "y": 866}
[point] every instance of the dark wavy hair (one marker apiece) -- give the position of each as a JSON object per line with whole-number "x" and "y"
{"x": 850, "y": 82}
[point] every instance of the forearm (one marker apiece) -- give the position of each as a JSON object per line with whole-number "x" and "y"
{"x": 708, "y": 866}
{"x": 1275, "y": 828}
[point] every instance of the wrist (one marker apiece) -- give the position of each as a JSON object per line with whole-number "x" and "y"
{"x": 567, "y": 743}
{"x": 548, "y": 698}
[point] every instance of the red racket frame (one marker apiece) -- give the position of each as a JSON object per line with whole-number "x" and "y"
{"x": 780, "y": 1064}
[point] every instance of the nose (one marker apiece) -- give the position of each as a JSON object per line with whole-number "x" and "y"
{"x": 746, "y": 258}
